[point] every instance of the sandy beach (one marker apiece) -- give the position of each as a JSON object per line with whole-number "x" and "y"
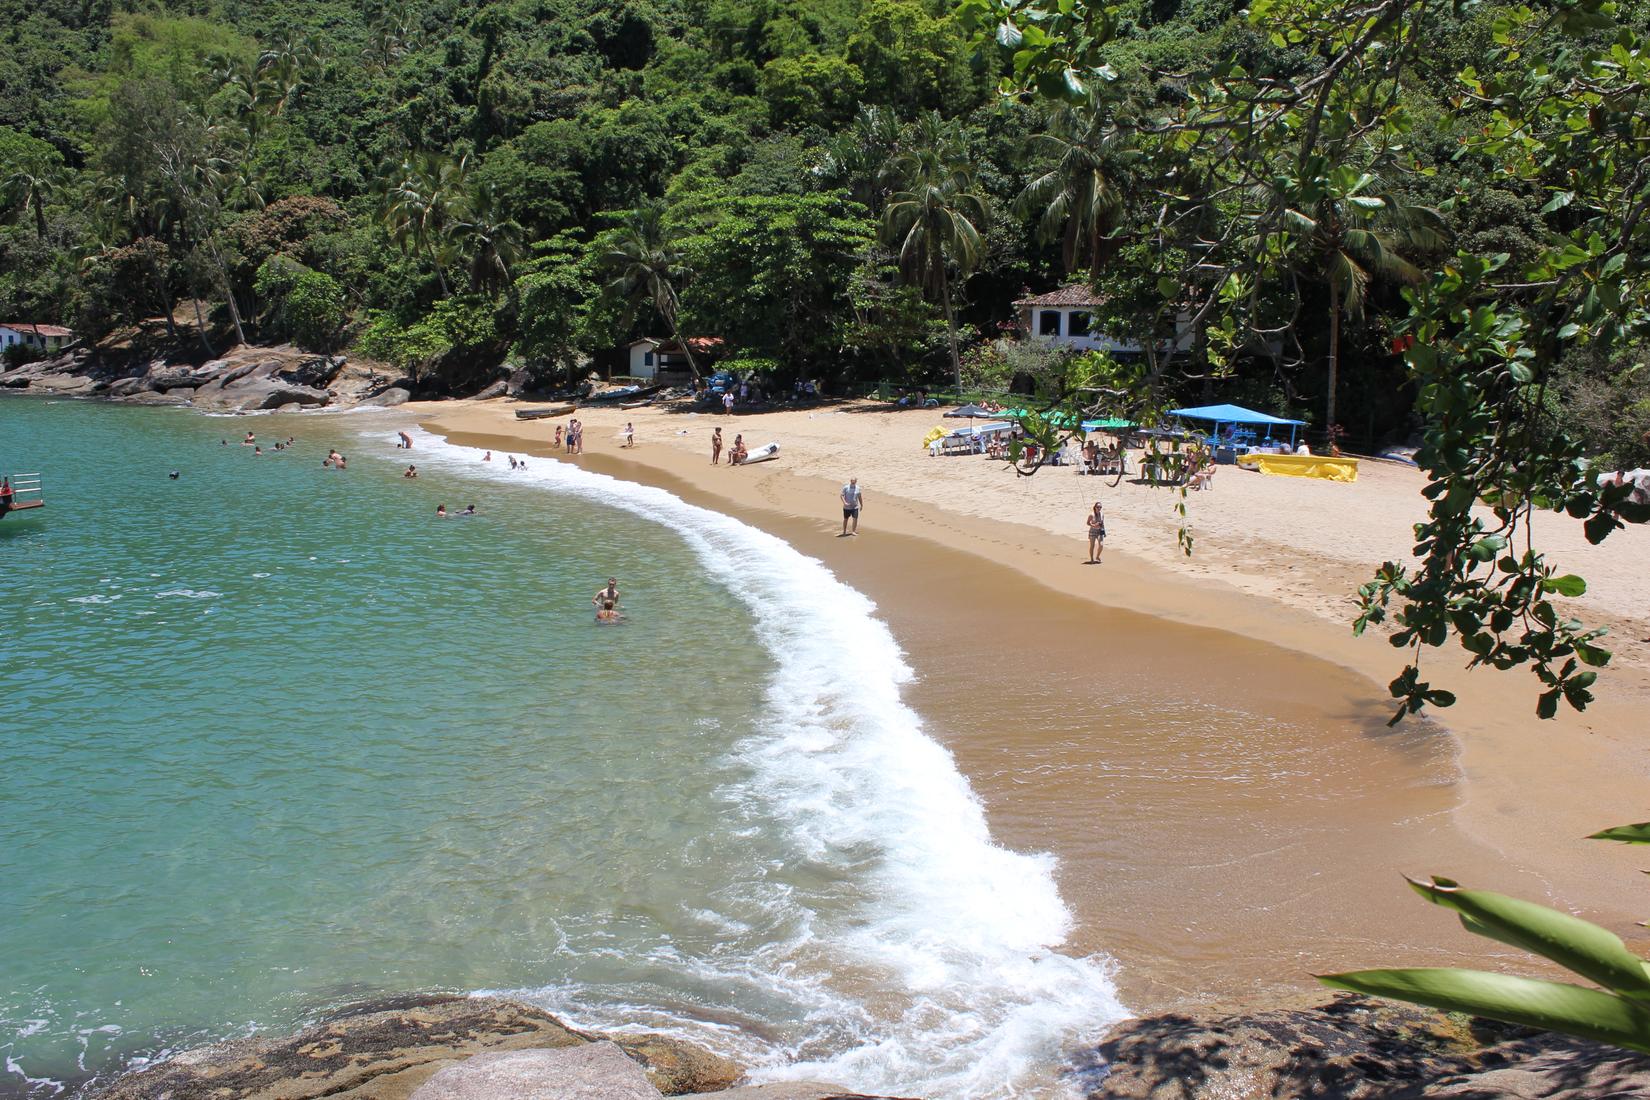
{"x": 1213, "y": 868}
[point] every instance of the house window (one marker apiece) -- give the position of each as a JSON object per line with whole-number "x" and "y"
{"x": 647, "y": 358}
{"x": 1048, "y": 323}
{"x": 1078, "y": 323}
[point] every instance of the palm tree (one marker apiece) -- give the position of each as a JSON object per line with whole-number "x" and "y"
{"x": 490, "y": 241}
{"x": 28, "y": 187}
{"x": 855, "y": 157}
{"x": 1080, "y": 198}
{"x": 423, "y": 198}
{"x": 643, "y": 259}
{"x": 1354, "y": 234}
{"x": 935, "y": 214}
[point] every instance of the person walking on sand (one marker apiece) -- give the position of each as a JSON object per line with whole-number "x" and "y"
{"x": 852, "y": 501}
{"x": 629, "y": 434}
{"x": 1097, "y": 534}
{"x": 557, "y": 442}
{"x": 716, "y": 446}
{"x": 727, "y": 402}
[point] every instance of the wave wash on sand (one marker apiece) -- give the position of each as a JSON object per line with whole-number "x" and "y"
{"x": 923, "y": 961}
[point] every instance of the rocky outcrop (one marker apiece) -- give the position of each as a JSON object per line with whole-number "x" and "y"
{"x": 391, "y": 397}
{"x": 1353, "y": 1048}
{"x": 594, "y": 1071}
{"x": 247, "y": 379}
{"x": 451, "y": 1048}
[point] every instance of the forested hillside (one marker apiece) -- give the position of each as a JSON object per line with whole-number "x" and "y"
{"x": 835, "y": 187}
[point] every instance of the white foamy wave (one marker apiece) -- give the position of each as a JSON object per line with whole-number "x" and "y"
{"x": 956, "y": 934}
{"x": 93, "y": 599}
{"x": 188, "y": 594}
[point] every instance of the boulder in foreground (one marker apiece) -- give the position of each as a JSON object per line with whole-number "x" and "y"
{"x": 594, "y": 1071}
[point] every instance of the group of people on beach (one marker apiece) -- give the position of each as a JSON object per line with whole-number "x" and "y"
{"x": 736, "y": 454}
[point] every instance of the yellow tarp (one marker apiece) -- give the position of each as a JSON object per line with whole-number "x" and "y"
{"x": 933, "y": 434}
{"x": 1329, "y": 469}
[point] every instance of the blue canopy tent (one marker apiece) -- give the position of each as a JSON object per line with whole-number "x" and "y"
{"x": 1237, "y": 414}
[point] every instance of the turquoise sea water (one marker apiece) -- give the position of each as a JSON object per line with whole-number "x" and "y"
{"x": 275, "y": 739}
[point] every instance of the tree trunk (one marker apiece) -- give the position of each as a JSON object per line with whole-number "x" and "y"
{"x": 39, "y": 216}
{"x": 1334, "y": 364}
{"x": 200, "y": 327}
{"x": 676, "y": 332}
{"x": 951, "y": 330}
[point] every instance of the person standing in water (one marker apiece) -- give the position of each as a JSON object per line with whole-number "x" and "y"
{"x": 852, "y": 499}
{"x": 610, "y": 594}
{"x": 716, "y": 446}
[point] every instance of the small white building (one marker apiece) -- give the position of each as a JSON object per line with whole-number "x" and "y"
{"x": 1067, "y": 317}
{"x": 45, "y": 338}
{"x": 654, "y": 355}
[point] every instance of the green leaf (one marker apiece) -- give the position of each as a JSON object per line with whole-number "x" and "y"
{"x": 1550, "y": 1006}
{"x": 1579, "y": 946}
{"x": 1567, "y": 585}
{"x": 1009, "y": 36}
{"x": 1627, "y": 834}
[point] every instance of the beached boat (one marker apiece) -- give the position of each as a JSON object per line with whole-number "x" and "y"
{"x": 25, "y": 496}
{"x": 636, "y": 404}
{"x": 762, "y": 454}
{"x": 623, "y": 393}
{"x": 542, "y": 414}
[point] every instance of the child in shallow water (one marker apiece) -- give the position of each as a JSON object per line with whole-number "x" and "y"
{"x": 608, "y": 612}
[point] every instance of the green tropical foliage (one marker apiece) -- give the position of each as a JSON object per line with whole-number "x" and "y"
{"x": 1406, "y": 223}
{"x": 1617, "y": 1011}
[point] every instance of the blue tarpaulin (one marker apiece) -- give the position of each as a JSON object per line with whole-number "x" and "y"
{"x": 1231, "y": 414}
{"x": 1237, "y": 414}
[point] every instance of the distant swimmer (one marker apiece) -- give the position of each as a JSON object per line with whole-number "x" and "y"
{"x": 488, "y": 457}
{"x": 406, "y": 440}
{"x": 412, "y": 471}
{"x": 249, "y": 440}
{"x": 340, "y": 464}
{"x": 610, "y": 594}
{"x": 440, "y": 511}
{"x": 512, "y": 462}
{"x": 470, "y": 510}
{"x": 173, "y": 475}
{"x": 608, "y": 612}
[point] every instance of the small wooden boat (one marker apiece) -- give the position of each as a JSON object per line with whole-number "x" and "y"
{"x": 624, "y": 393}
{"x": 25, "y": 494}
{"x": 545, "y": 414}
{"x": 636, "y": 404}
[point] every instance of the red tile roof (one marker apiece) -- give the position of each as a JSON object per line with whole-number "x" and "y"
{"x": 1076, "y": 294}
{"x": 30, "y": 326}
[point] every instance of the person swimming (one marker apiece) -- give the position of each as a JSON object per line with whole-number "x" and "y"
{"x": 608, "y": 612}
{"x": 412, "y": 471}
{"x": 440, "y": 511}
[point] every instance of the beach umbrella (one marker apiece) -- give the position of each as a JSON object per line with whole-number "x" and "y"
{"x": 970, "y": 411}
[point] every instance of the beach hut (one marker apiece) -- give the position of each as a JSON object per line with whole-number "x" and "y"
{"x": 1237, "y": 417}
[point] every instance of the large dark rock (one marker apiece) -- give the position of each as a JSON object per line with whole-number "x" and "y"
{"x": 497, "y": 389}
{"x": 1353, "y": 1048}
{"x": 391, "y": 397}
{"x": 316, "y": 372}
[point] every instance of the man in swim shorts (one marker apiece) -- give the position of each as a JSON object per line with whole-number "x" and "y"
{"x": 610, "y": 594}
{"x": 852, "y": 499}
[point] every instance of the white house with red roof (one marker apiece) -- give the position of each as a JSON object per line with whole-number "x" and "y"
{"x": 1067, "y": 316}
{"x": 46, "y": 338}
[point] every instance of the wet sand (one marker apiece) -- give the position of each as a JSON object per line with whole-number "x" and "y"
{"x": 1210, "y": 766}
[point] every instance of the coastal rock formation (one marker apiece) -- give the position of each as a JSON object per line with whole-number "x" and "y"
{"x": 246, "y": 379}
{"x": 389, "y": 1049}
{"x": 1353, "y": 1048}
{"x": 594, "y": 1071}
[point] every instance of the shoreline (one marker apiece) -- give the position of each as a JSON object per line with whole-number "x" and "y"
{"x": 1424, "y": 800}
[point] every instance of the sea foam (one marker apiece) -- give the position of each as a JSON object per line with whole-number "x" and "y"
{"x": 957, "y": 990}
